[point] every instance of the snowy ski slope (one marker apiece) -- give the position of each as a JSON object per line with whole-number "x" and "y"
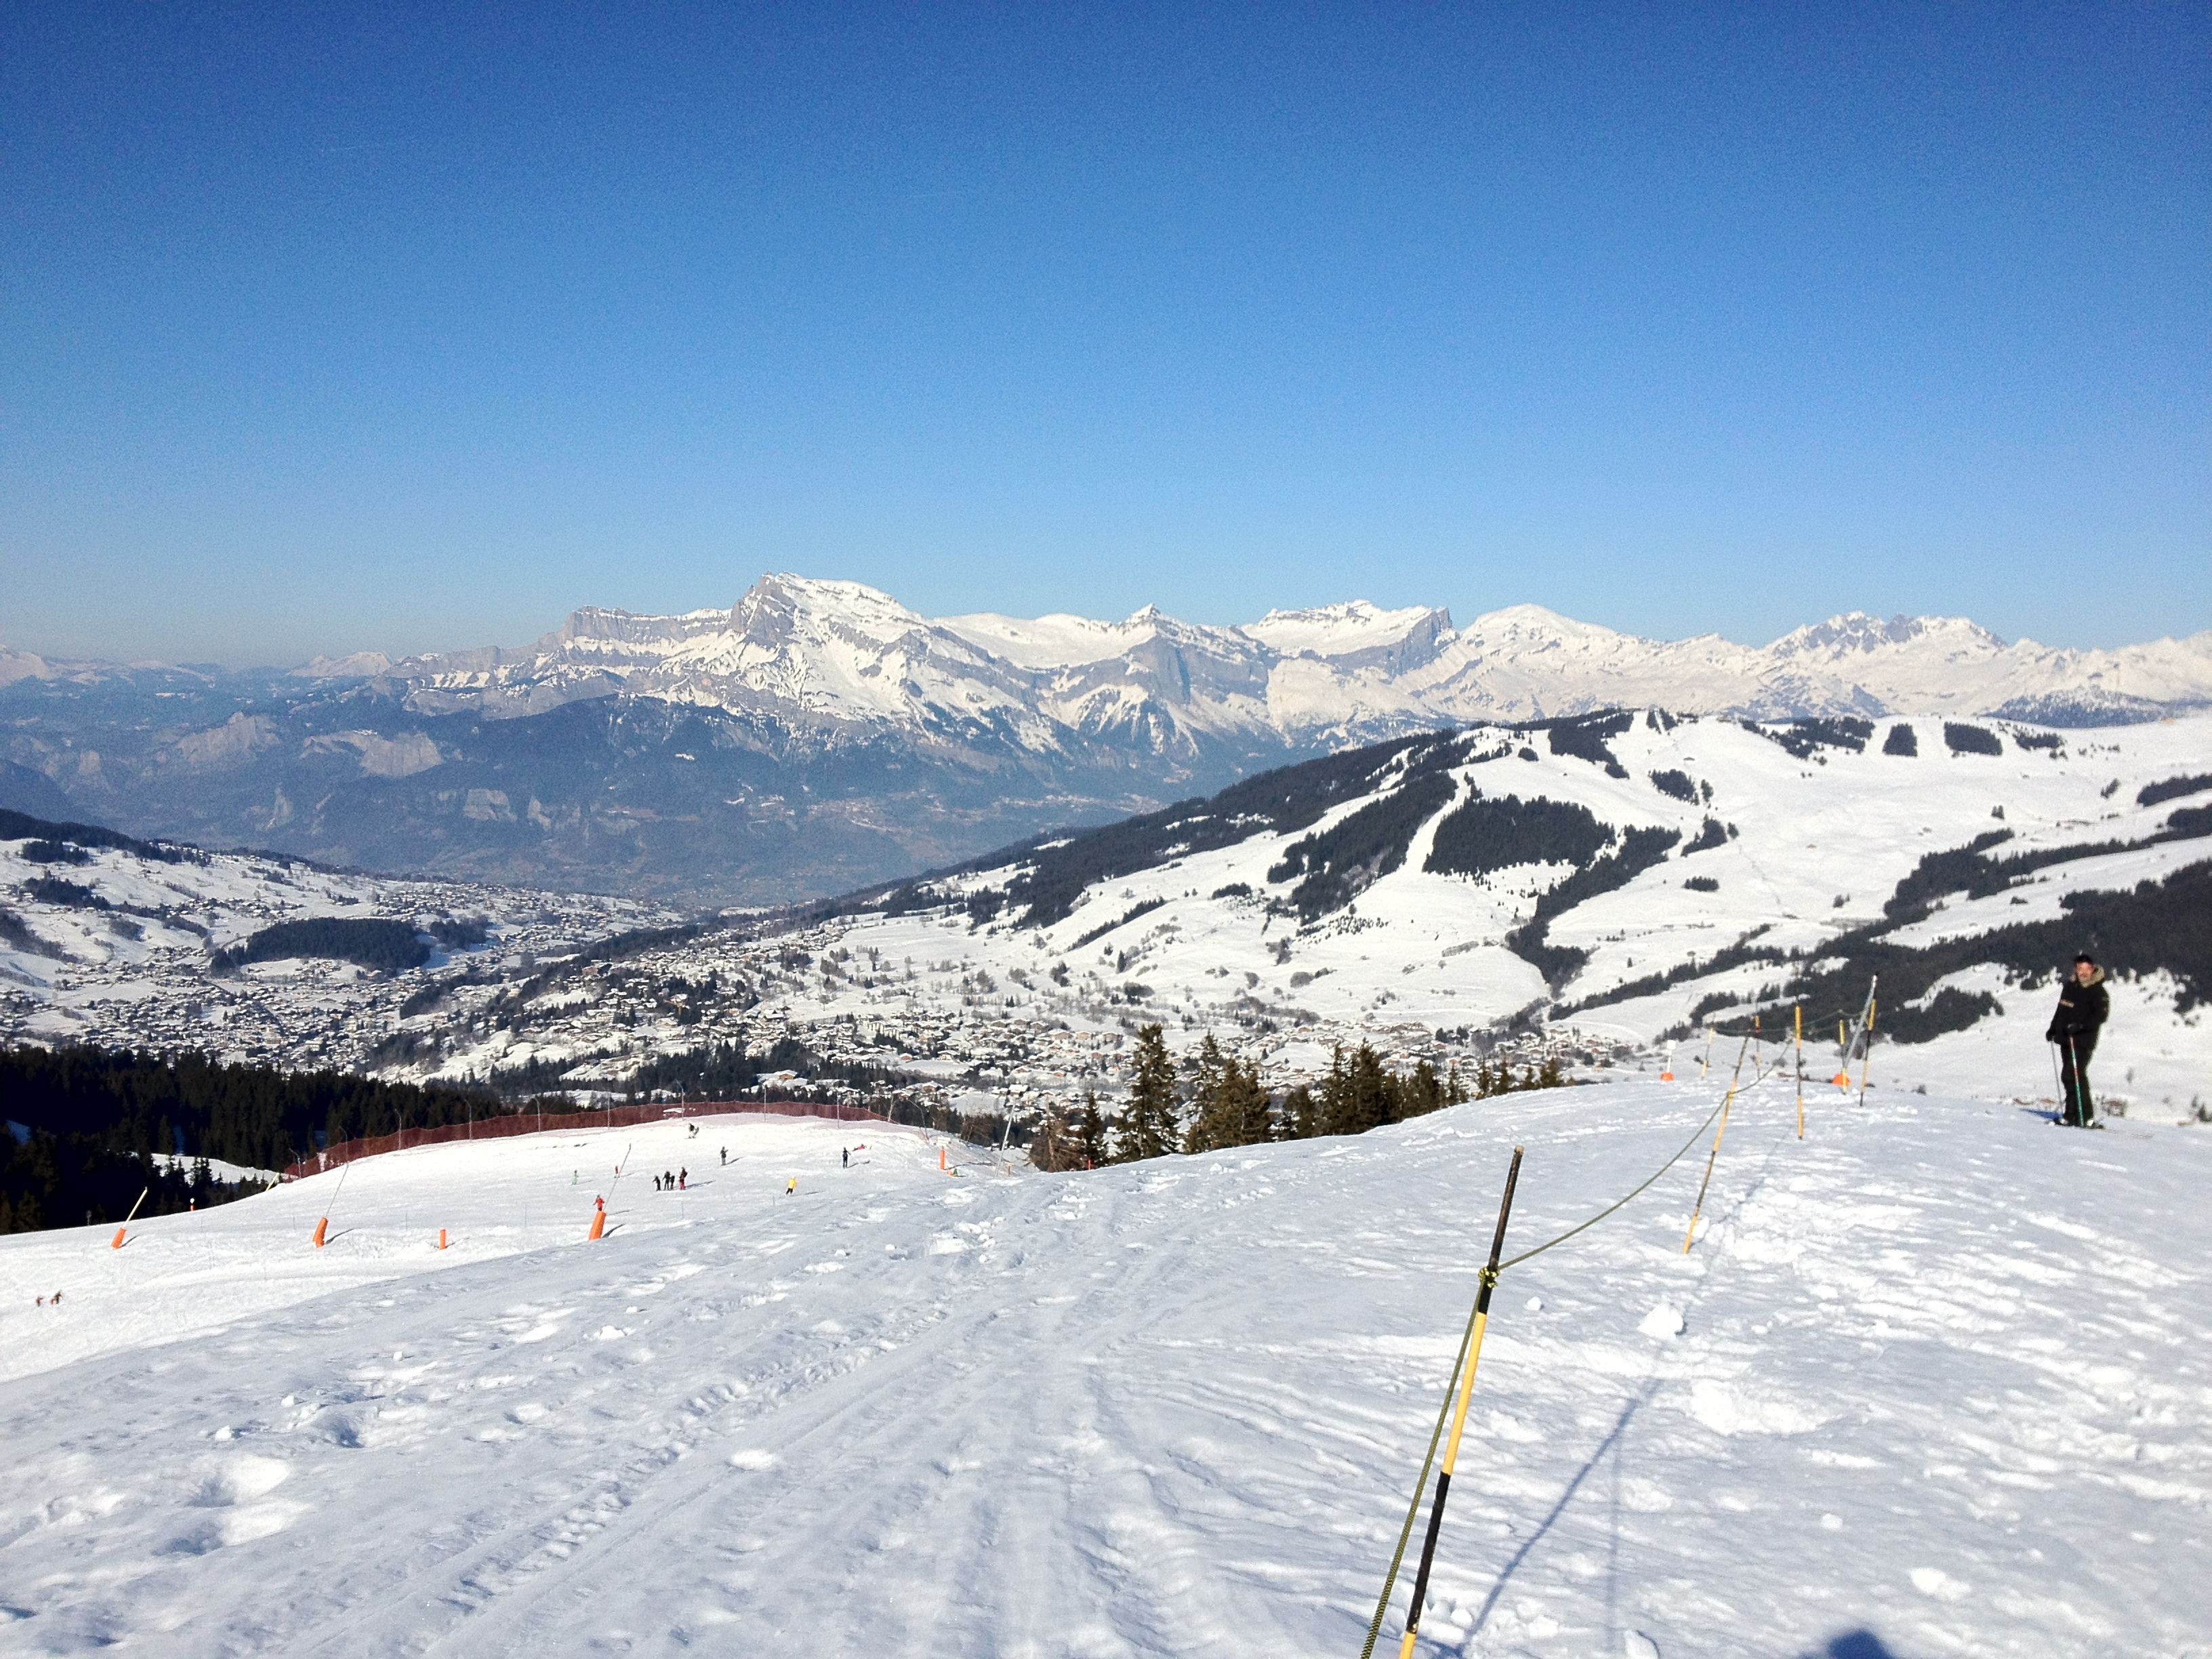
{"x": 1935, "y": 1380}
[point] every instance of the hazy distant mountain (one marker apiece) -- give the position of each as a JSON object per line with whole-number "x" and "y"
{"x": 817, "y": 735}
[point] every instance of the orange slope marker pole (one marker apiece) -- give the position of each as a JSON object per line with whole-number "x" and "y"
{"x": 599, "y": 1205}
{"x": 322, "y": 1227}
{"x": 441, "y": 1238}
{"x": 116, "y": 1244}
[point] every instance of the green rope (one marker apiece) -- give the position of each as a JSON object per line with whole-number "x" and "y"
{"x": 1695, "y": 1135}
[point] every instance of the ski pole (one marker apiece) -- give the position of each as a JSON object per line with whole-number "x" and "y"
{"x": 1697, "y": 1210}
{"x": 1459, "y": 1416}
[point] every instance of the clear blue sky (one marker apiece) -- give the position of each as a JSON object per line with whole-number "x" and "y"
{"x": 353, "y": 326}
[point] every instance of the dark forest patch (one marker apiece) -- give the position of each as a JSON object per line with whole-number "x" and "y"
{"x": 1485, "y": 833}
{"x": 380, "y": 944}
{"x": 1963, "y": 739}
{"x": 1366, "y": 845}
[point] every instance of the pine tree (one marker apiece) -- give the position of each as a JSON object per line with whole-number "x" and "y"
{"x": 1301, "y": 1117}
{"x": 1148, "y": 1127}
{"x": 1245, "y": 1104}
{"x": 1209, "y": 1129}
{"x": 1053, "y": 1148}
{"x": 1339, "y": 1115}
{"x": 1090, "y": 1130}
{"x": 1455, "y": 1090}
{"x": 1421, "y": 1094}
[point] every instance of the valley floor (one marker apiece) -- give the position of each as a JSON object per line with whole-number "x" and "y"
{"x": 1934, "y": 1379}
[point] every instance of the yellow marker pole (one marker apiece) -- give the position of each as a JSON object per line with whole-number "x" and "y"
{"x": 1459, "y": 1415}
{"x": 1866, "y": 1056}
{"x": 1798, "y": 1014}
{"x": 1690, "y": 1236}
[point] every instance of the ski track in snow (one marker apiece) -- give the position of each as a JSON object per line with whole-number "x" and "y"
{"x": 1935, "y": 1376}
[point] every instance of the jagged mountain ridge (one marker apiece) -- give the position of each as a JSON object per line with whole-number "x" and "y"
{"x": 819, "y": 735}
{"x": 842, "y": 652}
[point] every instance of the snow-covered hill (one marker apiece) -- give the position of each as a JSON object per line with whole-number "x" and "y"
{"x": 1334, "y": 899}
{"x": 109, "y": 940}
{"x": 1934, "y": 1379}
{"x": 1607, "y": 886}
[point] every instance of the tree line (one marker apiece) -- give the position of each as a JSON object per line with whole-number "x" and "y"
{"x": 1218, "y": 1102}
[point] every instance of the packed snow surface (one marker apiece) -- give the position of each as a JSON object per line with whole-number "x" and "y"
{"x": 1934, "y": 1379}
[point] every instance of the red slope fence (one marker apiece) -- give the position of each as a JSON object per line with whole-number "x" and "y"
{"x": 530, "y": 1123}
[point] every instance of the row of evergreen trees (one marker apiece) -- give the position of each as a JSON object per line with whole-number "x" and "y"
{"x": 1222, "y": 1102}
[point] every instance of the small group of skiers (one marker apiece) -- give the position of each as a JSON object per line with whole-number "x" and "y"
{"x": 678, "y": 1182}
{"x": 53, "y": 1301}
{"x": 2083, "y": 1003}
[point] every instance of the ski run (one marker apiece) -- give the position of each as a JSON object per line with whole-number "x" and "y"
{"x": 1932, "y": 1380}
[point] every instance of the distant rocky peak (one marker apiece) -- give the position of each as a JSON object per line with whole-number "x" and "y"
{"x": 1855, "y": 631}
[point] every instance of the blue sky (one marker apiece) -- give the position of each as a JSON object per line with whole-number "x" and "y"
{"x": 399, "y": 327}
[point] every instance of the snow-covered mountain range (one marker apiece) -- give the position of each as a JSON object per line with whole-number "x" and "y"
{"x": 843, "y": 652}
{"x": 817, "y": 735}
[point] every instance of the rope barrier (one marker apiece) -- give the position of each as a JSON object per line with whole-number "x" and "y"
{"x": 1515, "y": 1261}
{"x": 1463, "y": 1389}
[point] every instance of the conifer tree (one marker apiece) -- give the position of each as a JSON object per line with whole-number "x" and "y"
{"x": 1301, "y": 1118}
{"x": 1338, "y": 1115}
{"x": 1090, "y": 1130}
{"x": 1209, "y": 1130}
{"x": 1148, "y": 1127}
{"x": 1421, "y": 1093}
{"x": 1244, "y": 1105}
{"x": 1054, "y": 1148}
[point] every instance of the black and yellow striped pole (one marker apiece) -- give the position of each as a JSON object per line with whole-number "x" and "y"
{"x": 1690, "y": 1236}
{"x": 1458, "y": 1414}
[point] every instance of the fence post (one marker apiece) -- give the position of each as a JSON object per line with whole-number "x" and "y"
{"x": 1459, "y": 1417}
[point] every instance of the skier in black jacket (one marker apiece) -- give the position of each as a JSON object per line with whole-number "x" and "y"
{"x": 2082, "y": 1005}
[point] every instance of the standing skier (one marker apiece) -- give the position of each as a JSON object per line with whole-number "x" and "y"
{"x": 2082, "y": 1005}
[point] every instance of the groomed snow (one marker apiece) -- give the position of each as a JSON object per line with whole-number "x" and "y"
{"x": 1934, "y": 1381}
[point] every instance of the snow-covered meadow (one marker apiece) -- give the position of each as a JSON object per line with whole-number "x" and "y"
{"x": 1934, "y": 1379}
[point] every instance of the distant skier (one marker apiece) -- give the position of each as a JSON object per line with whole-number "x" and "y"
{"x": 656, "y": 1184}
{"x": 2082, "y": 1006}
{"x": 683, "y": 1180}
{"x": 725, "y": 1158}
{"x": 844, "y": 1157}
{"x": 790, "y": 1190}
